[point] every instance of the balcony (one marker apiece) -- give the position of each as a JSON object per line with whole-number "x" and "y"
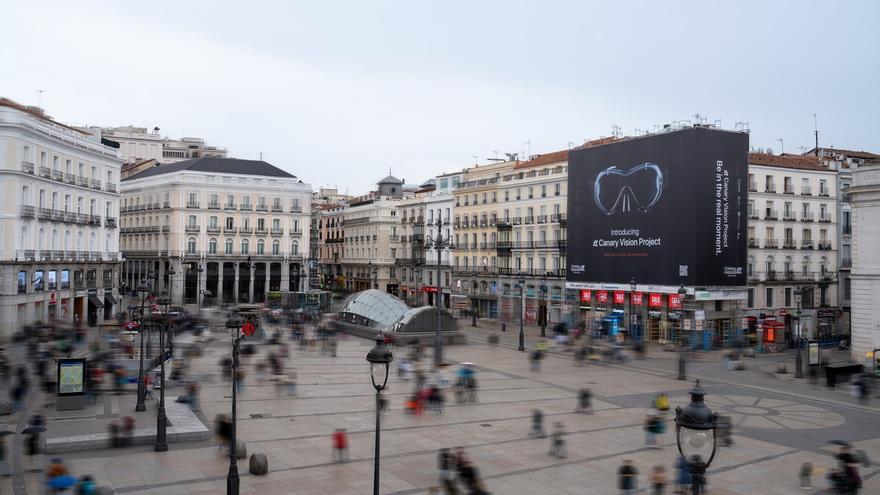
{"x": 754, "y": 278}
{"x": 262, "y": 208}
{"x": 557, "y": 217}
{"x": 806, "y": 244}
{"x": 789, "y": 216}
{"x": 789, "y": 244}
{"x": 789, "y": 276}
{"x": 166, "y": 205}
{"x": 771, "y": 215}
{"x": 296, "y": 209}
{"x": 529, "y": 220}
{"x": 847, "y": 230}
{"x": 82, "y": 181}
{"x": 229, "y": 230}
{"x": 111, "y": 222}
{"x": 277, "y": 209}
{"x": 166, "y": 229}
{"x": 245, "y": 230}
{"x": 246, "y": 207}
{"x": 788, "y": 190}
{"x": 846, "y": 262}
{"x": 806, "y": 191}
{"x": 770, "y": 188}
{"x": 262, "y": 232}
{"x": 825, "y": 218}
{"x": 827, "y": 277}
{"x": 58, "y": 175}
{"x": 296, "y": 233}
{"x": 229, "y": 206}
{"x": 45, "y": 172}
{"x": 193, "y": 229}
{"x": 465, "y": 224}
{"x": 212, "y": 229}
{"x": 69, "y": 178}
{"x": 806, "y": 217}
{"x": 771, "y": 243}
{"x": 541, "y": 219}
{"x": 192, "y": 204}
{"x": 753, "y": 243}
{"x": 213, "y": 206}
{"x": 753, "y": 187}
{"x": 753, "y": 215}
{"x": 770, "y": 276}
{"x": 27, "y": 167}
{"x": 823, "y": 193}
{"x": 26, "y": 211}
{"x": 111, "y": 187}
{"x": 824, "y": 245}
{"x": 516, "y": 221}
{"x": 95, "y": 184}
{"x": 44, "y": 214}
{"x": 277, "y": 232}
{"x": 504, "y": 245}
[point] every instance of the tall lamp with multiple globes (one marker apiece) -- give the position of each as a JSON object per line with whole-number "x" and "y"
{"x": 522, "y": 311}
{"x": 143, "y": 290}
{"x": 798, "y": 360}
{"x": 161, "y": 418}
{"x": 233, "y": 323}
{"x": 695, "y": 433}
{"x": 380, "y": 358}
{"x": 682, "y": 292}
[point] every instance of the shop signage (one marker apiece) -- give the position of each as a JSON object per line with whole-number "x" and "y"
{"x": 619, "y": 297}
{"x": 602, "y": 297}
{"x": 827, "y": 312}
{"x": 699, "y": 314}
{"x": 430, "y": 289}
{"x": 601, "y": 308}
{"x": 673, "y": 315}
{"x": 674, "y": 301}
{"x": 53, "y": 299}
{"x": 653, "y": 313}
{"x": 655, "y": 300}
{"x": 586, "y": 295}
{"x": 636, "y": 298}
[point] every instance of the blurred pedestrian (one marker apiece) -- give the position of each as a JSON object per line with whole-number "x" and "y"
{"x": 658, "y": 480}
{"x": 652, "y": 427}
{"x": 239, "y": 380}
{"x": 537, "y": 429}
{"x": 86, "y": 486}
{"x": 535, "y": 360}
{"x": 682, "y": 475}
{"x": 628, "y": 478}
{"x": 806, "y": 476}
{"x": 557, "y": 442}
{"x": 192, "y": 392}
{"x": 447, "y": 468}
{"x": 340, "y": 445}
{"x": 585, "y": 403}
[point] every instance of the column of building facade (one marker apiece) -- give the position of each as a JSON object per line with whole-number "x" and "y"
{"x": 219, "y": 295}
{"x": 285, "y": 276}
{"x": 266, "y": 287}
{"x": 203, "y": 282}
{"x": 161, "y": 284}
{"x": 235, "y": 284}
{"x": 251, "y": 283}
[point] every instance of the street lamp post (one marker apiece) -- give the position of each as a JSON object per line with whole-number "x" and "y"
{"x": 161, "y": 418}
{"x": 418, "y": 272}
{"x": 233, "y": 323}
{"x": 199, "y": 271}
{"x": 542, "y": 308}
{"x": 474, "y": 285}
{"x": 682, "y": 292}
{"x": 171, "y": 274}
{"x": 695, "y": 433}
{"x": 522, "y": 311}
{"x": 439, "y": 243}
{"x": 380, "y": 358}
{"x": 632, "y": 291}
{"x": 375, "y": 274}
{"x": 143, "y": 290}
{"x": 798, "y": 363}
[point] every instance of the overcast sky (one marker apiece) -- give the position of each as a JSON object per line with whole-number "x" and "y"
{"x": 339, "y": 92}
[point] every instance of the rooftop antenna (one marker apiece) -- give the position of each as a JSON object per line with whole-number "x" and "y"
{"x": 41, "y": 91}
{"x": 261, "y": 156}
{"x": 781, "y": 146}
{"x": 615, "y": 130}
{"x": 816, "y": 133}
{"x": 570, "y": 144}
{"x": 529, "y": 144}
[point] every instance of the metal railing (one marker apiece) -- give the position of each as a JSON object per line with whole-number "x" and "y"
{"x": 95, "y": 184}
{"x": 193, "y": 228}
{"x": 213, "y": 206}
{"x": 806, "y": 244}
{"x": 192, "y": 204}
{"x": 229, "y": 206}
{"x": 806, "y": 191}
{"x": 27, "y": 167}
{"x": 45, "y": 172}
{"x": 263, "y": 208}
{"x": 111, "y": 187}
{"x": 806, "y": 217}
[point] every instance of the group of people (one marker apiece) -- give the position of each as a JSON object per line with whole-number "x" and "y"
{"x": 458, "y": 474}
{"x": 628, "y": 478}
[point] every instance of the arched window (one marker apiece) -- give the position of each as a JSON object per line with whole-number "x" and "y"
{"x": 261, "y": 247}
{"x": 276, "y": 247}
{"x": 22, "y": 242}
{"x": 191, "y": 245}
{"x": 244, "y": 246}
{"x": 54, "y": 239}
{"x": 67, "y": 240}
{"x": 787, "y": 267}
{"x": 805, "y": 266}
{"x": 294, "y": 249}
{"x": 228, "y": 246}
{"x": 212, "y": 246}
{"x": 41, "y": 238}
{"x": 92, "y": 242}
{"x": 823, "y": 265}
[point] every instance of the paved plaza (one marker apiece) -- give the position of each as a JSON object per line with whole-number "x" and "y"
{"x": 779, "y": 424}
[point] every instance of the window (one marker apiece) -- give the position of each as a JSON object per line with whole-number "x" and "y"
{"x": 244, "y": 246}
{"x": 261, "y": 224}
{"x": 506, "y": 195}
{"x": 22, "y": 282}
{"x": 191, "y": 221}
{"x": 191, "y": 246}
{"x": 787, "y": 296}
{"x": 531, "y": 192}
{"x": 228, "y": 246}
{"x": 276, "y": 246}
{"x": 212, "y": 222}
{"x": 193, "y": 199}
{"x": 276, "y": 224}
{"x": 38, "y": 281}
{"x": 294, "y": 248}
{"x": 543, "y": 190}
{"x": 65, "y": 279}
{"x": 769, "y": 297}
{"x": 212, "y": 246}
{"x": 230, "y": 223}
{"x": 261, "y": 247}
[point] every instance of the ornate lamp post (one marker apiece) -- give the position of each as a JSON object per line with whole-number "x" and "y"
{"x": 522, "y": 311}
{"x": 695, "y": 433}
{"x": 143, "y": 290}
{"x": 379, "y": 358}
{"x": 374, "y": 271}
{"x": 418, "y": 272}
{"x": 439, "y": 243}
{"x": 161, "y": 418}
{"x": 474, "y": 285}
{"x": 199, "y": 271}
{"x": 798, "y": 361}
{"x": 171, "y": 274}
{"x": 542, "y": 308}
{"x": 233, "y": 323}
{"x": 682, "y": 292}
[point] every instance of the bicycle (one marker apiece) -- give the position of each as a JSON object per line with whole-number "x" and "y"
{"x": 774, "y": 348}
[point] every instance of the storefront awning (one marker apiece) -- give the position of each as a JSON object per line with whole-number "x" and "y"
{"x": 95, "y": 301}
{"x": 110, "y": 299}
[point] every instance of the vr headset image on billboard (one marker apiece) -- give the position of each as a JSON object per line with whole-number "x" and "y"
{"x": 665, "y": 209}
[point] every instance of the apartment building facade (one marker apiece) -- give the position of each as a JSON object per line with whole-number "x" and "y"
{"x": 59, "y": 256}
{"x": 216, "y": 230}
{"x": 865, "y": 203}
{"x": 792, "y": 239}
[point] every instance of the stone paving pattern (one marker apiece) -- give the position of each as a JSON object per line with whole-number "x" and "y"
{"x": 781, "y": 423}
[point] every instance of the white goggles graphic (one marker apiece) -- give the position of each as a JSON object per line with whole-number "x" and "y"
{"x": 638, "y": 188}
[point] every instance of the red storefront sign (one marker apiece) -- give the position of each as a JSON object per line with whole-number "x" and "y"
{"x": 655, "y": 300}
{"x": 602, "y": 296}
{"x": 636, "y": 298}
{"x": 586, "y": 295}
{"x": 619, "y": 297}
{"x": 674, "y": 301}
{"x": 430, "y": 288}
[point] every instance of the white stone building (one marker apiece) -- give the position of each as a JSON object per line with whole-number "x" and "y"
{"x": 865, "y": 203}
{"x": 230, "y": 230}
{"x": 792, "y": 236}
{"x": 139, "y": 143}
{"x": 58, "y": 212}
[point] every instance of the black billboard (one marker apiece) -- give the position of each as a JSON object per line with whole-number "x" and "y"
{"x": 664, "y": 209}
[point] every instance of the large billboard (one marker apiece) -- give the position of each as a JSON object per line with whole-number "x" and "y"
{"x": 665, "y": 209}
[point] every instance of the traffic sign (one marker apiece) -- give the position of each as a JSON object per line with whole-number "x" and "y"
{"x": 248, "y": 329}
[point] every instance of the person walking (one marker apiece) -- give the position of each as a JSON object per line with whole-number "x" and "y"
{"x": 628, "y": 478}
{"x": 806, "y": 476}
{"x": 446, "y": 462}
{"x": 652, "y": 428}
{"x": 682, "y": 476}
{"x": 340, "y": 445}
{"x": 557, "y": 442}
{"x": 585, "y": 404}
{"x": 537, "y": 424}
{"x": 658, "y": 480}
